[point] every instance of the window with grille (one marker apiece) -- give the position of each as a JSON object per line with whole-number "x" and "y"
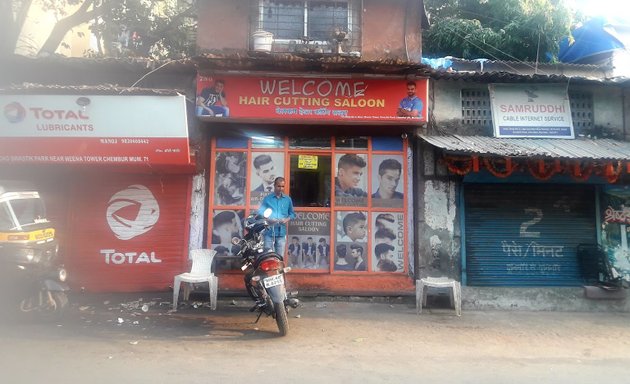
{"x": 581, "y": 111}
{"x": 309, "y": 24}
{"x": 476, "y": 110}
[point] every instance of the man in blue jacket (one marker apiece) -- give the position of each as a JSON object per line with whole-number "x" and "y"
{"x": 282, "y": 211}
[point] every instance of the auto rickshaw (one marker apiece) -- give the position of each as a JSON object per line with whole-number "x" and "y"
{"x": 30, "y": 274}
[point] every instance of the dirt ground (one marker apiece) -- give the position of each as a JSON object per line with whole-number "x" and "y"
{"x": 112, "y": 340}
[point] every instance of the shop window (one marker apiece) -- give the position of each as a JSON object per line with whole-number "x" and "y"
{"x": 267, "y": 142}
{"x": 349, "y": 200}
{"x": 309, "y": 142}
{"x": 310, "y": 180}
{"x": 387, "y": 144}
{"x": 352, "y": 142}
{"x": 232, "y": 142}
{"x": 309, "y": 25}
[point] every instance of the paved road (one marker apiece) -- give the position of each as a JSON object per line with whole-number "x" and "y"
{"x": 330, "y": 342}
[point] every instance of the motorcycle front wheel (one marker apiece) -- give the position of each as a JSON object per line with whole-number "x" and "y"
{"x": 282, "y": 319}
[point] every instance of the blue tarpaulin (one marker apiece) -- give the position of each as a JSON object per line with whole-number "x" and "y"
{"x": 595, "y": 37}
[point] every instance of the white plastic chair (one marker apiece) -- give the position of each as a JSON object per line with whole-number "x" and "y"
{"x": 200, "y": 272}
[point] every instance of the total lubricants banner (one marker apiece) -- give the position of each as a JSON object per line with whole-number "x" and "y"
{"x": 312, "y": 98}
{"x": 94, "y": 129}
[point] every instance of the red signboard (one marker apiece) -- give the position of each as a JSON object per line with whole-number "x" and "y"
{"x": 94, "y": 130}
{"x": 312, "y": 98}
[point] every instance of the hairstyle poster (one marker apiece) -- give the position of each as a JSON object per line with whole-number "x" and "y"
{"x": 265, "y": 167}
{"x": 351, "y": 245}
{"x": 388, "y": 242}
{"x": 229, "y": 180}
{"x": 225, "y": 225}
{"x": 351, "y": 180}
{"x": 309, "y": 240}
{"x": 387, "y": 181}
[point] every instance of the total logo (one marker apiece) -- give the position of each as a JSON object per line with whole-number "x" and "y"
{"x": 123, "y": 205}
{"x": 131, "y": 213}
{"x": 14, "y": 112}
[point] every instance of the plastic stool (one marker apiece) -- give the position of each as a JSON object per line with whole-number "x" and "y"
{"x": 439, "y": 282}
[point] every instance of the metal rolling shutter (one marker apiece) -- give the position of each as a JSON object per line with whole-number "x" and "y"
{"x": 154, "y": 244}
{"x": 526, "y": 235}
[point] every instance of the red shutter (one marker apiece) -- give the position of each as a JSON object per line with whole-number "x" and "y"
{"x": 128, "y": 232}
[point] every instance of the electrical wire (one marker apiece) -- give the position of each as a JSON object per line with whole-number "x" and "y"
{"x": 147, "y": 74}
{"x": 496, "y": 49}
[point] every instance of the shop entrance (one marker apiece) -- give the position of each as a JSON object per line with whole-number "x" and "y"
{"x": 310, "y": 180}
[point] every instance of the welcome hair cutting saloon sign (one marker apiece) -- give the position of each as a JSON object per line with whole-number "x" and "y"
{"x": 310, "y": 98}
{"x": 531, "y": 110}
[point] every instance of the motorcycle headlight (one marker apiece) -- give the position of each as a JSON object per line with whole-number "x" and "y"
{"x": 62, "y": 274}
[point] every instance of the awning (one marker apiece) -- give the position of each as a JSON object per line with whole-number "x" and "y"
{"x": 579, "y": 148}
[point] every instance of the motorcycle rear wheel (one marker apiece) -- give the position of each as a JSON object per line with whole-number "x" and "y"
{"x": 282, "y": 319}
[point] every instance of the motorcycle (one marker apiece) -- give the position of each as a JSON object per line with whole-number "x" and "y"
{"x": 33, "y": 279}
{"x": 264, "y": 273}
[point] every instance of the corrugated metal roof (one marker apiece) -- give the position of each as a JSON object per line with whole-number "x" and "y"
{"x": 491, "y": 71}
{"x": 102, "y": 89}
{"x": 529, "y": 67}
{"x": 580, "y": 148}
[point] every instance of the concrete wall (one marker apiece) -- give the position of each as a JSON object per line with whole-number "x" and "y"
{"x": 437, "y": 220}
{"x": 608, "y": 110}
{"x": 389, "y": 28}
{"x": 223, "y": 25}
{"x": 386, "y": 26}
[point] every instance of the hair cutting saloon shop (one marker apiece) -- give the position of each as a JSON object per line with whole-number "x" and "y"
{"x": 339, "y": 142}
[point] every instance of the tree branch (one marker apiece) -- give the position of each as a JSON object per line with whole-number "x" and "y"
{"x": 82, "y": 15}
{"x": 11, "y": 27}
{"x": 155, "y": 35}
{"x": 176, "y": 19}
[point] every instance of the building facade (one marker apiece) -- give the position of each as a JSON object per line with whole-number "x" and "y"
{"x": 502, "y": 173}
{"x": 115, "y": 166}
{"x": 315, "y": 100}
{"x": 519, "y": 172}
